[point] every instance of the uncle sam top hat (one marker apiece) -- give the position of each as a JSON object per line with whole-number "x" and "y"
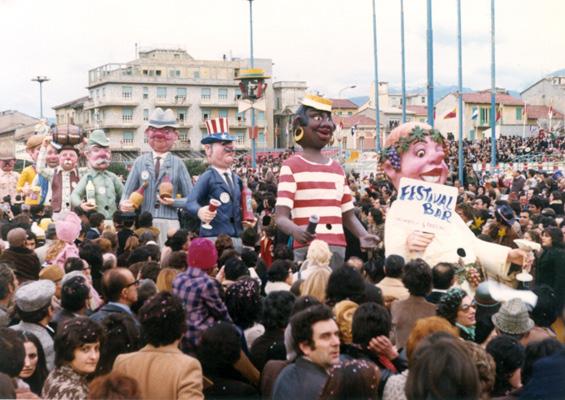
{"x": 218, "y": 131}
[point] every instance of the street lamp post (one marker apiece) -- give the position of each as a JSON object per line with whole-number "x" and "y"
{"x": 344, "y": 89}
{"x": 377, "y": 108}
{"x": 40, "y": 79}
{"x": 252, "y": 62}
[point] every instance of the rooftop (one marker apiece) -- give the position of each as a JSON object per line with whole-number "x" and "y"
{"x": 343, "y": 103}
{"x": 483, "y": 97}
{"x": 73, "y": 103}
{"x": 348, "y": 122}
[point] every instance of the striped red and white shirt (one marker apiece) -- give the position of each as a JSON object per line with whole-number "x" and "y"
{"x": 309, "y": 188}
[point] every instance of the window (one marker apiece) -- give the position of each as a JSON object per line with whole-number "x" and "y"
{"x": 145, "y": 92}
{"x": 240, "y": 118}
{"x": 222, "y": 94}
{"x": 97, "y": 93}
{"x": 205, "y": 93}
{"x": 145, "y": 114}
{"x": 126, "y": 92}
{"x": 127, "y": 114}
{"x": 223, "y": 113}
{"x": 206, "y": 114}
{"x": 174, "y": 73}
{"x": 261, "y": 137}
{"x": 103, "y": 92}
{"x": 181, "y": 94}
{"x": 485, "y": 115}
{"x": 127, "y": 137}
{"x": 240, "y": 139}
{"x": 350, "y": 113}
{"x": 423, "y": 99}
{"x": 181, "y": 116}
{"x": 237, "y": 93}
{"x": 158, "y": 72}
{"x": 278, "y": 103}
{"x": 161, "y": 92}
{"x": 519, "y": 113}
{"x": 196, "y": 74}
{"x": 261, "y": 116}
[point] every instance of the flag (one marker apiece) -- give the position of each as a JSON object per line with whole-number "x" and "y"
{"x": 550, "y": 112}
{"x": 475, "y": 113}
{"x": 525, "y": 112}
{"x": 499, "y": 113}
{"x": 451, "y": 114}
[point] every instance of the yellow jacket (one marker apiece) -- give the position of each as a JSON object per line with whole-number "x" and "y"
{"x": 28, "y": 176}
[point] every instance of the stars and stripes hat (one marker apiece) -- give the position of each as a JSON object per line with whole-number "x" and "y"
{"x": 218, "y": 131}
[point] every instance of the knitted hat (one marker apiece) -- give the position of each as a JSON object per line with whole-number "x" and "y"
{"x": 68, "y": 227}
{"x": 202, "y": 254}
{"x": 53, "y": 273}
{"x": 513, "y": 318}
{"x": 344, "y": 311}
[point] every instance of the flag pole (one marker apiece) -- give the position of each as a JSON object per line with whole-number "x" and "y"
{"x": 524, "y": 118}
{"x": 403, "y": 61}
{"x": 493, "y": 92}
{"x": 430, "y": 56}
{"x": 377, "y": 108}
{"x": 460, "y": 98}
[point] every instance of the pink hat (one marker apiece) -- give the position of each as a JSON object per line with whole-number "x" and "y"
{"x": 67, "y": 226}
{"x": 202, "y": 254}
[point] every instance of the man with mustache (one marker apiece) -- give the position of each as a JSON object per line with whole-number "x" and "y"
{"x": 157, "y": 170}
{"x": 108, "y": 187}
{"x": 8, "y": 177}
{"x": 64, "y": 177}
{"x": 312, "y": 184}
{"x": 218, "y": 182}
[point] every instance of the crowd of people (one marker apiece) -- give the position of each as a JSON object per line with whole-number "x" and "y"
{"x": 97, "y": 308}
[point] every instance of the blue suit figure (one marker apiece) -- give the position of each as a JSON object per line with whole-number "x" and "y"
{"x": 220, "y": 183}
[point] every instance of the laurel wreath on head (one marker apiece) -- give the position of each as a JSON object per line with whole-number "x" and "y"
{"x": 393, "y": 153}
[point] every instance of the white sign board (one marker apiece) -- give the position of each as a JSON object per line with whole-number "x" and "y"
{"x": 426, "y": 207}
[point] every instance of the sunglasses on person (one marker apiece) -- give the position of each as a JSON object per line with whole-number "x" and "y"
{"x": 467, "y": 307}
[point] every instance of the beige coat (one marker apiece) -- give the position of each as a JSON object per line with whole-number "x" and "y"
{"x": 163, "y": 372}
{"x": 393, "y": 289}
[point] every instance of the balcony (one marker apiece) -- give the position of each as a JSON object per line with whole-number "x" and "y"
{"x": 118, "y": 125}
{"x": 224, "y": 102}
{"x": 177, "y": 101}
{"x": 100, "y": 103}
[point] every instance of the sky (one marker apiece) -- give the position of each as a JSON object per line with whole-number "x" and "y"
{"x": 327, "y": 43}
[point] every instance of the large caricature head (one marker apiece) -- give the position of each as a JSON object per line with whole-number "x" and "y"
{"x": 33, "y": 145}
{"x": 161, "y": 132}
{"x": 415, "y": 150}
{"x": 7, "y": 157}
{"x": 52, "y": 156}
{"x": 97, "y": 150}
{"x": 68, "y": 158}
{"x": 313, "y": 126}
{"x": 219, "y": 145}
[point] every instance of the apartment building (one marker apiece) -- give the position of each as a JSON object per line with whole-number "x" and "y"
{"x": 288, "y": 95}
{"x": 122, "y": 96}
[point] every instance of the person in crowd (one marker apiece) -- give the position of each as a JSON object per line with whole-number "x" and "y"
{"x": 313, "y": 129}
{"x": 199, "y": 292}
{"x": 68, "y": 227}
{"x": 548, "y": 375}
{"x": 417, "y": 279}
{"x": 13, "y": 354}
{"x": 179, "y": 241}
{"x": 316, "y": 340}
{"x": 391, "y": 285}
{"x": 92, "y": 254}
{"x": 8, "y": 177}
{"x": 279, "y": 276}
{"x": 108, "y": 188}
{"x": 417, "y": 151}
{"x": 355, "y": 379}
{"x": 23, "y": 260}
{"x": 122, "y": 336}
{"x": 513, "y": 320}
{"x": 114, "y": 386}
{"x": 394, "y": 387}
{"x": 145, "y": 224}
{"x": 33, "y": 307}
{"x": 75, "y": 294}
{"x": 220, "y": 351}
{"x": 486, "y": 307}
{"x": 275, "y": 315}
{"x": 508, "y": 356}
{"x": 34, "y": 371}
{"x": 219, "y": 183}
{"x": 319, "y": 255}
{"x": 316, "y": 285}
{"x": 50, "y": 238}
{"x": 485, "y": 367}
{"x": 234, "y": 269}
{"x": 96, "y": 225}
{"x": 345, "y": 283}
{"x": 549, "y": 266}
{"x": 443, "y": 277}
{"x": 535, "y": 351}
{"x": 243, "y": 301}
{"x": 441, "y": 368}
{"x": 160, "y": 368}
{"x": 544, "y": 314}
{"x": 77, "y": 351}
{"x": 163, "y": 175}
{"x": 8, "y": 286}
{"x": 165, "y": 279}
{"x": 119, "y": 287}
{"x": 459, "y": 309}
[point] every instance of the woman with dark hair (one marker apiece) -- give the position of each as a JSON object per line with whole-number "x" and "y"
{"x": 122, "y": 336}
{"x": 277, "y": 307}
{"x": 145, "y": 224}
{"x": 243, "y": 301}
{"x": 508, "y": 356}
{"x": 219, "y": 350}
{"x": 459, "y": 309}
{"x": 34, "y": 371}
{"x": 544, "y": 314}
{"x": 536, "y": 350}
{"x": 549, "y": 268}
{"x": 352, "y": 379}
{"x": 77, "y": 351}
{"x": 179, "y": 241}
{"x": 441, "y": 368}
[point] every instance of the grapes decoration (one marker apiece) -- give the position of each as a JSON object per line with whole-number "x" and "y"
{"x": 417, "y": 134}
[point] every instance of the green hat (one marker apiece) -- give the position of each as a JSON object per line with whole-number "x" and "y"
{"x": 99, "y": 138}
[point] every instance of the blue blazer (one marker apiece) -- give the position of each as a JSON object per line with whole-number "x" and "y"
{"x": 211, "y": 185}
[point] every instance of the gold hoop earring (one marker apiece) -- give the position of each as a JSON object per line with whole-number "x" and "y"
{"x": 298, "y": 134}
